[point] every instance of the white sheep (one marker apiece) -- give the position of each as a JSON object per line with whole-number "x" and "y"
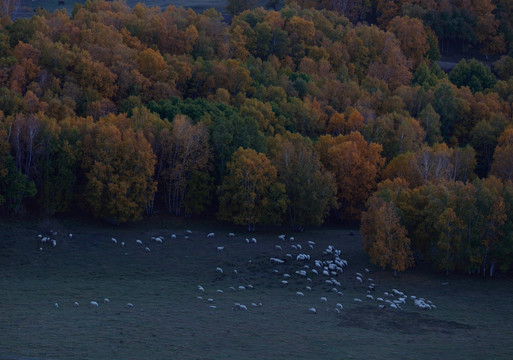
{"x": 147, "y": 249}
{"x": 200, "y": 288}
{"x": 138, "y": 242}
{"x": 220, "y": 248}
{"x": 357, "y": 300}
{"x": 106, "y": 300}
{"x": 219, "y": 291}
{"x": 359, "y": 279}
{"x": 158, "y": 240}
{"x": 370, "y": 297}
{"x": 300, "y": 293}
{"x": 231, "y": 235}
{"x": 70, "y": 235}
{"x": 130, "y": 305}
{"x": 199, "y": 297}
{"x": 210, "y": 235}
{"x": 173, "y": 236}
{"x": 114, "y": 240}
{"x": 219, "y": 269}
{"x": 284, "y": 282}
{"x": 278, "y": 247}
{"x": 241, "y": 288}
{"x": 281, "y": 237}
{"x": 213, "y": 307}
{"x": 94, "y": 303}
{"x": 323, "y": 299}
{"x": 76, "y": 304}
{"x": 122, "y": 244}
{"x": 189, "y": 232}
{"x": 311, "y": 242}
{"x": 253, "y": 240}
{"x": 312, "y": 310}
{"x": 308, "y": 288}
{"x": 56, "y": 305}
{"x": 276, "y": 260}
{"x": 339, "y": 305}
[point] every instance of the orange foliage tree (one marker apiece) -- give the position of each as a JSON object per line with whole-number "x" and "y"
{"x": 356, "y": 165}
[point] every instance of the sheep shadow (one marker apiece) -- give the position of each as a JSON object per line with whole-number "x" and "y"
{"x": 408, "y": 322}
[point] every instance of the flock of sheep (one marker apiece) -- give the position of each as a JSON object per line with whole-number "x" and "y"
{"x": 299, "y": 273}
{"x": 320, "y": 281}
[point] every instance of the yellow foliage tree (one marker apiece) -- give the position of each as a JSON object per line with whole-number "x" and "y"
{"x": 385, "y": 239}
{"x": 119, "y": 166}
{"x": 249, "y": 192}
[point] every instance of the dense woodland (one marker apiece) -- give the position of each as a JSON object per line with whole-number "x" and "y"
{"x": 296, "y": 117}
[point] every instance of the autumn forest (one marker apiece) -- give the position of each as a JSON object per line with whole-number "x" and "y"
{"x": 319, "y": 111}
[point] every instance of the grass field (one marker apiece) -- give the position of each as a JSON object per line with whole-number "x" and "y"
{"x": 27, "y": 6}
{"x": 473, "y": 320}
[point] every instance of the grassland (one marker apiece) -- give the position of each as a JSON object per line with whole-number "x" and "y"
{"x": 473, "y": 320}
{"x": 27, "y": 6}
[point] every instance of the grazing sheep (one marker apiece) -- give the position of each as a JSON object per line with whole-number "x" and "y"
{"x": 54, "y": 243}
{"x": 189, "y": 232}
{"x": 106, "y": 300}
{"x": 94, "y": 303}
{"x": 300, "y": 293}
{"x": 210, "y": 300}
{"x": 323, "y": 299}
{"x": 247, "y": 241}
{"x": 147, "y": 249}
{"x": 122, "y": 244}
{"x": 138, "y": 242}
{"x": 357, "y": 300}
{"x": 253, "y": 240}
{"x": 231, "y": 235}
{"x": 284, "y": 282}
{"x": 286, "y": 275}
{"x": 312, "y": 310}
{"x": 292, "y": 238}
{"x": 200, "y": 288}
{"x": 213, "y": 307}
{"x": 315, "y": 271}
{"x": 339, "y": 305}
{"x": 219, "y": 291}
{"x": 381, "y": 306}
{"x": 173, "y": 236}
{"x": 220, "y": 248}
{"x": 210, "y": 235}
{"x": 277, "y": 261}
{"x": 370, "y": 297}
{"x": 130, "y": 305}
{"x": 278, "y": 247}
{"x": 242, "y": 288}
{"x": 114, "y": 241}
{"x": 308, "y": 288}
{"x": 158, "y": 240}
{"x": 281, "y": 237}
{"x": 56, "y": 305}
{"x": 70, "y": 235}
{"x": 243, "y": 307}
{"x": 199, "y": 297}
{"x": 219, "y": 269}
{"x": 311, "y": 242}
{"x": 359, "y": 279}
